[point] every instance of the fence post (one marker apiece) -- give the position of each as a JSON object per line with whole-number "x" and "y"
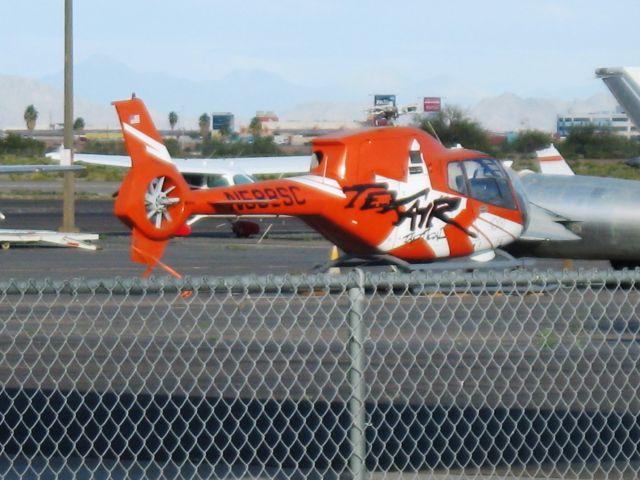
{"x": 356, "y": 378}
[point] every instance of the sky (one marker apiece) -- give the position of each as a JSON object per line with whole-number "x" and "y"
{"x": 532, "y": 48}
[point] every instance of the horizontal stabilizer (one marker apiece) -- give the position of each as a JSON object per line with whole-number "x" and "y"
{"x": 546, "y": 225}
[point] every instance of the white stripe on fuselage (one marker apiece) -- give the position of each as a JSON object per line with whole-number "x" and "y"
{"x": 494, "y": 230}
{"x": 327, "y": 185}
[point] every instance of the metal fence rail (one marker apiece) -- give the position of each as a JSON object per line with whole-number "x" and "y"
{"x": 510, "y": 375}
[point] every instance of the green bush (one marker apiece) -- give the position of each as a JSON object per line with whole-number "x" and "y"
{"x": 528, "y": 141}
{"x": 589, "y": 142}
{"x": 261, "y": 146}
{"x": 103, "y": 147}
{"x": 18, "y": 145}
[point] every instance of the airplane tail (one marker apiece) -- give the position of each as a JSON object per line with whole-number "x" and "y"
{"x": 153, "y": 198}
{"x": 624, "y": 84}
{"x": 552, "y": 163}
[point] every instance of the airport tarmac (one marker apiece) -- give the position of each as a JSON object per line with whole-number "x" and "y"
{"x": 495, "y": 367}
{"x": 290, "y": 246}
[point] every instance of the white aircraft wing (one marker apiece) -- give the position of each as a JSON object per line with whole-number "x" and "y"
{"x": 248, "y": 165}
{"x": 74, "y": 240}
{"x": 96, "y": 159}
{"x": 39, "y": 168}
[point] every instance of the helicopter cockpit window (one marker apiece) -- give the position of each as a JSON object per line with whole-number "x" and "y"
{"x": 482, "y": 179}
{"x": 456, "y": 178}
{"x": 488, "y": 182}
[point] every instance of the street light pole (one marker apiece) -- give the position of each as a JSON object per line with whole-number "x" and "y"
{"x": 68, "y": 196}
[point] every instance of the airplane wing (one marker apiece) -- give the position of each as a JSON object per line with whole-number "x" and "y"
{"x": 552, "y": 163}
{"x": 247, "y": 165}
{"x": 39, "y": 168}
{"x": 74, "y": 240}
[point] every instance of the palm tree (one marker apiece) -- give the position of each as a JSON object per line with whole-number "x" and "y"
{"x": 30, "y": 117}
{"x": 204, "y": 122}
{"x": 173, "y": 119}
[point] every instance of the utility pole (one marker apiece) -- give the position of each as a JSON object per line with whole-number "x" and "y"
{"x": 68, "y": 196}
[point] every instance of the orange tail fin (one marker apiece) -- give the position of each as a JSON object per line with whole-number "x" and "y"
{"x": 153, "y": 199}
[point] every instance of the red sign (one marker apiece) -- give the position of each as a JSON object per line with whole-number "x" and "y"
{"x": 432, "y": 104}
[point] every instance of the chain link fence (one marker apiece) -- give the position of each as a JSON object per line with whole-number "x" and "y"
{"x": 447, "y": 376}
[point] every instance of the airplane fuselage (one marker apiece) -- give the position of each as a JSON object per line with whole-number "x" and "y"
{"x": 601, "y": 211}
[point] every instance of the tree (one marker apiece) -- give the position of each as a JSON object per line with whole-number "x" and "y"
{"x": 225, "y": 130}
{"x": 78, "y": 124}
{"x": 30, "y": 117}
{"x": 173, "y": 119}
{"x": 591, "y": 142}
{"x": 173, "y": 147}
{"x": 529, "y": 141}
{"x": 204, "y": 122}
{"x": 453, "y": 126}
{"x": 17, "y": 145}
{"x": 255, "y": 127}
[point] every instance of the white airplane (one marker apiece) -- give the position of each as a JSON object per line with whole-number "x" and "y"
{"x": 202, "y": 173}
{"x": 12, "y": 236}
{"x": 596, "y": 218}
{"x": 209, "y": 172}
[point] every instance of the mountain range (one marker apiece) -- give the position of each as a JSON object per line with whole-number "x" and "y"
{"x": 99, "y": 80}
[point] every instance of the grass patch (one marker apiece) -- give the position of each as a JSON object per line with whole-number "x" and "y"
{"x": 592, "y": 168}
{"x": 605, "y": 168}
{"x": 547, "y": 338}
{"x": 48, "y": 195}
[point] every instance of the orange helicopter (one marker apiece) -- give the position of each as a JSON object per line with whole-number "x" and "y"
{"x": 382, "y": 192}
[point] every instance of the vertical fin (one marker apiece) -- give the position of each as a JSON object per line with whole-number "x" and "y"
{"x": 624, "y": 84}
{"x": 153, "y": 197}
{"x": 552, "y": 163}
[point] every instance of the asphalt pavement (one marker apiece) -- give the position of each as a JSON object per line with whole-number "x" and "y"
{"x": 431, "y": 356}
{"x": 290, "y": 247}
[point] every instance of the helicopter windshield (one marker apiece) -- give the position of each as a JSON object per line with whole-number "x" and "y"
{"x": 482, "y": 179}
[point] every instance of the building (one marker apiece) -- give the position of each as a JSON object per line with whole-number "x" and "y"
{"x": 266, "y": 116}
{"x": 616, "y": 122}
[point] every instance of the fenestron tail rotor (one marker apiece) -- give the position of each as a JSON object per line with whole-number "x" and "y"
{"x": 157, "y": 201}
{"x": 153, "y": 197}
